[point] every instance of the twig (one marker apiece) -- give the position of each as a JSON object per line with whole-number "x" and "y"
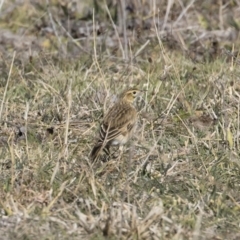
{"x": 115, "y": 29}
{"x": 6, "y": 87}
{"x": 169, "y": 5}
{"x": 123, "y": 4}
{"x": 1, "y": 4}
{"x": 183, "y": 12}
{"x": 73, "y": 40}
{"x": 60, "y": 45}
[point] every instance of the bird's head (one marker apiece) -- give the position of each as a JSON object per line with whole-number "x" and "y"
{"x": 130, "y": 94}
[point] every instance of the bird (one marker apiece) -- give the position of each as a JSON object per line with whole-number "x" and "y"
{"x": 118, "y": 124}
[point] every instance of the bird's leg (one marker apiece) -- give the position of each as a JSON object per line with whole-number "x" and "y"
{"x": 107, "y": 151}
{"x": 120, "y": 152}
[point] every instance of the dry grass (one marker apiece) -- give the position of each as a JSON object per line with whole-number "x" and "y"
{"x": 178, "y": 179}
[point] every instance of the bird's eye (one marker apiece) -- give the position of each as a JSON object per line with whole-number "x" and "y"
{"x": 134, "y": 92}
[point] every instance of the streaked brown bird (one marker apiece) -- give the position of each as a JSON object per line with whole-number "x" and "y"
{"x": 118, "y": 125}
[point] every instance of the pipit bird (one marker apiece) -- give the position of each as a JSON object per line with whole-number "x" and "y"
{"x": 118, "y": 124}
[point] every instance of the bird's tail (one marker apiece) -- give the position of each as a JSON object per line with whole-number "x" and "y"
{"x": 96, "y": 151}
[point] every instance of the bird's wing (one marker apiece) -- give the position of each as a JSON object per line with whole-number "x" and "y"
{"x": 118, "y": 121}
